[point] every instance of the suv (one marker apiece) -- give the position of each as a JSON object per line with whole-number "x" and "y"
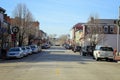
{"x": 103, "y": 52}
{"x": 87, "y": 50}
{"x": 76, "y": 48}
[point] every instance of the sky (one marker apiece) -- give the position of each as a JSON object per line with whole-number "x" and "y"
{"x": 59, "y": 16}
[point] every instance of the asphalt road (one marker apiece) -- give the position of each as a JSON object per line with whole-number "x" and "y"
{"x": 57, "y": 63}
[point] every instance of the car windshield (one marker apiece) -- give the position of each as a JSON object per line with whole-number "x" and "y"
{"x": 106, "y": 48}
{"x": 27, "y": 47}
{"x": 23, "y": 48}
{"x": 33, "y": 47}
{"x": 14, "y": 49}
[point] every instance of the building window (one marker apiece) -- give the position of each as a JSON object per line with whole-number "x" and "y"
{"x": 111, "y": 29}
{"x": 106, "y": 29}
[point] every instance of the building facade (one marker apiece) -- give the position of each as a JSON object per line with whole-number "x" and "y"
{"x": 76, "y": 33}
{"x": 5, "y": 37}
{"x": 104, "y": 33}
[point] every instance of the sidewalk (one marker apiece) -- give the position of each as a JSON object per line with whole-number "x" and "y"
{"x": 117, "y": 58}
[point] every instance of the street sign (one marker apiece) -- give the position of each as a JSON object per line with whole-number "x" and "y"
{"x": 15, "y": 29}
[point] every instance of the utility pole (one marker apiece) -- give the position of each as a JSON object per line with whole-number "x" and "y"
{"x": 118, "y": 33}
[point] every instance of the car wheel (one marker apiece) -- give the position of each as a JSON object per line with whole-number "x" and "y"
{"x": 111, "y": 60}
{"x": 21, "y": 56}
{"x": 74, "y": 51}
{"x": 84, "y": 54}
{"x": 93, "y": 57}
{"x": 97, "y": 59}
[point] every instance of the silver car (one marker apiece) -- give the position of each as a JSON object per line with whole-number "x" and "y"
{"x": 34, "y": 48}
{"x": 25, "y": 51}
{"x": 15, "y": 52}
{"x": 103, "y": 52}
{"x": 29, "y": 50}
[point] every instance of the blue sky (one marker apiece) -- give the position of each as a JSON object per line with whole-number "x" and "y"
{"x": 59, "y": 16}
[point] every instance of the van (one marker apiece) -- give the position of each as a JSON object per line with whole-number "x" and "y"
{"x": 103, "y": 52}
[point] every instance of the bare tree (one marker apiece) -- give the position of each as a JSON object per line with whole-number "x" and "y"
{"x": 52, "y": 38}
{"x": 63, "y": 38}
{"x": 95, "y": 29}
{"x": 23, "y": 19}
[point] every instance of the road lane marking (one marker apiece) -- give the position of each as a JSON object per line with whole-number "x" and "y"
{"x": 57, "y": 71}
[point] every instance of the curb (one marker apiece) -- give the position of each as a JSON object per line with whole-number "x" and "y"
{"x": 118, "y": 61}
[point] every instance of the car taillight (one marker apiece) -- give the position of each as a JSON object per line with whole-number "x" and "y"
{"x": 98, "y": 52}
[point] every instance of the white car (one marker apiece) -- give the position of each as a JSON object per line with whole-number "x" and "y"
{"x": 15, "y": 52}
{"x": 25, "y": 51}
{"x": 103, "y": 52}
{"x": 29, "y": 50}
{"x": 34, "y": 48}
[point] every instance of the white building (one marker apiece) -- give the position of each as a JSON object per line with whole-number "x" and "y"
{"x": 107, "y": 37}
{"x": 111, "y": 39}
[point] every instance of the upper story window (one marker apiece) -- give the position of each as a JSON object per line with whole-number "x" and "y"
{"x": 106, "y": 29}
{"x": 111, "y": 29}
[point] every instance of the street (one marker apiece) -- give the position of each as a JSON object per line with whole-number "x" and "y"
{"x": 58, "y": 63}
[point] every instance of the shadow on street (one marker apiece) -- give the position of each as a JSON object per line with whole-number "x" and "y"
{"x": 47, "y": 56}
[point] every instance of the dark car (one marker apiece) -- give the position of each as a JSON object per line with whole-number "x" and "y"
{"x": 87, "y": 50}
{"x": 67, "y": 46}
{"x": 46, "y": 46}
{"x": 76, "y": 48}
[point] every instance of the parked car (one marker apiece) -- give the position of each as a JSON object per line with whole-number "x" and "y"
{"x": 103, "y": 52}
{"x": 48, "y": 45}
{"x": 29, "y": 50}
{"x": 45, "y": 46}
{"x": 67, "y": 46}
{"x": 34, "y": 48}
{"x": 25, "y": 51}
{"x": 87, "y": 50}
{"x": 76, "y": 48}
{"x": 15, "y": 52}
{"x": 39, "y": 48}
